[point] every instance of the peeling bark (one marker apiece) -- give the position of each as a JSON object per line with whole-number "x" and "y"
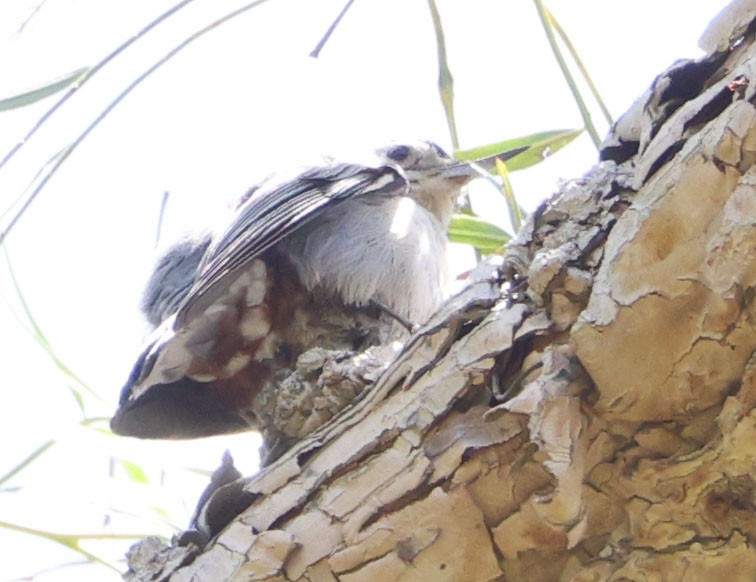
{"x": 585, "y": 410}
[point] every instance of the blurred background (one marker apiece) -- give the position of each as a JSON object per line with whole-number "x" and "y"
{"x": 238, "y": 102}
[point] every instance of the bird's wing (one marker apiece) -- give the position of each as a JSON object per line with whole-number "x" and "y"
{"x": 275, "y": 211}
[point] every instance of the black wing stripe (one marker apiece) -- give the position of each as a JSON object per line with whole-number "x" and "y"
{"x": 269, "y": 209}
{"x": 273, "y": 213}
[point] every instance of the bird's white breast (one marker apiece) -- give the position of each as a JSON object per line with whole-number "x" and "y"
{"x": 387, "y": 249}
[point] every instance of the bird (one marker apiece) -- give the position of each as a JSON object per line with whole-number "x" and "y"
{"x": 339, "y": 256}
{"x": 221, "y": 501}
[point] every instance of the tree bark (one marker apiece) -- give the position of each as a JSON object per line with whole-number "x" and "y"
{"x": 585, "y": 410}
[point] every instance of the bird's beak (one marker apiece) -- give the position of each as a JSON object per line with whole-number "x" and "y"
{"x": 460, "y": 173}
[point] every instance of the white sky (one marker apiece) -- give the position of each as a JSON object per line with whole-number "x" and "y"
{"x": 241, "y": 101}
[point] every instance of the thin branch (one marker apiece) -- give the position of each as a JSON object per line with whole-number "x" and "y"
{"x": 161, "y": 217}
{"x": 88, "y": 75}
{"x": 583, "y": 71}
{"x": 135, "y": 83}
{"x": 28, "y": 460}
{"x": 589, "y": 127}
{"x": 319, "y": 47}
{"x": 27, "y": 20}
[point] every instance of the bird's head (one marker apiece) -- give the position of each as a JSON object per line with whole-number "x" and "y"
{"x": 435, "y": 178}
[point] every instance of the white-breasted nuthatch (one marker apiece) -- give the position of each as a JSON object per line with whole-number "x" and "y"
{"x": 318, "y": 260}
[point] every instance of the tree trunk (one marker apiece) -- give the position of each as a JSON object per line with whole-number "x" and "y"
{"x": 585, "y": 410}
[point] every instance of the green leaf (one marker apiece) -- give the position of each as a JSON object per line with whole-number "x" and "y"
{"x": 515, "y": 212}
{"x": 73, "y": 541}
{"x": 548, "y": 28}
{"x": 581, "y": 67}
{"x": 473, "y": 230}
{"x": 93, "y": 421}
{"x": 27, "y": 461}
{"x": 212, "y": 26}
{"x": 445, "y": 78}
{"x": 39, "y": 336}
{"x": 39, "y": 93}
{"x": 134, "y": 471}
{"x": 539, "y": 146}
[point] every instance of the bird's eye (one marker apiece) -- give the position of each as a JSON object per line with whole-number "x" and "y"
{"x": 398, "y": 153}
